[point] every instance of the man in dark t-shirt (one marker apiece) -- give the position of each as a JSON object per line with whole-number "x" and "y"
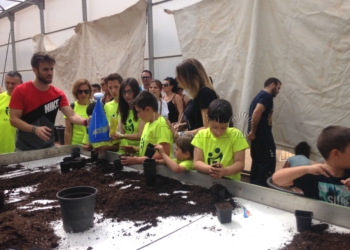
{"x": 263, "y": 148}
{"x": 34, "y": 106}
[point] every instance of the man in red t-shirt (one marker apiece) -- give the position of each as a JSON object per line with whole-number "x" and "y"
{"x": 34, "y": 106}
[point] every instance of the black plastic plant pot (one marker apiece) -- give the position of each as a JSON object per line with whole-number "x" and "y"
{"x": 224, "y": 212}
{"x": 75, "y": 152}
{"x": 94, "y": 156}
{"x": 60, "y": 134}
{"x": 65, "y": 166}
{"x": 67, "y": 159}
{"x": 150, "y": 151}
{"x": 118, "y": 166}
{"x": 218, "y": 190}
{"x": 2, "y": 200}
{"x": 150, "y": 171}
{"x": 77, "y": 208}
{"x": 77, "y": 163}
{"x": 304, "y": 219}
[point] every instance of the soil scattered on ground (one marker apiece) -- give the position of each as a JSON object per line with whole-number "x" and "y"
{"x": 319, "y": 238}
{"x": 122, "y": 196}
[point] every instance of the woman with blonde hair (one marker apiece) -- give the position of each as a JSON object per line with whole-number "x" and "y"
{"x": 82, "y": 92}
{"x": 192, "y": 76}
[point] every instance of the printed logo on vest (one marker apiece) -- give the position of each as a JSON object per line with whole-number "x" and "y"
{"x": 215, "y": 159}
{"x": 142, "y": 143}
{"x": 51, "y": 106}
{"x": 129, "y": 126}
{"x": 7, "y": 111}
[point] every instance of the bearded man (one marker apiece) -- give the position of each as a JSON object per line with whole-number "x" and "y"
{"x": 34, "y": 106}
{"x": 263, "y": 148}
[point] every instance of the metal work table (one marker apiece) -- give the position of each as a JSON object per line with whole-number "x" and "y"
{"x": 271, "y": 224}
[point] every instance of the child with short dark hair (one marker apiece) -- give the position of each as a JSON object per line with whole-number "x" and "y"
{"x": 301, "y": 157}
{"x": 220, "y": 150}
{"x": 329, "y": 182}
{"x": 183, "y": 153}
{"x": 155, "y": 131}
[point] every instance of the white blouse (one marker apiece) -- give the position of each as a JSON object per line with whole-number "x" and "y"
{"x": 163, "y": 108}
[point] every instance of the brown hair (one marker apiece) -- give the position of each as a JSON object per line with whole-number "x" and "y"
{"x": 113, "y": 77}
{"x": 184, "y": 143}
{"x": 159, "y": 85}
{"x": 40, "y": 57}
{"x": 333, "y": 137}
{"x": 77, "y": 85}
{"x": 191, "y": 76}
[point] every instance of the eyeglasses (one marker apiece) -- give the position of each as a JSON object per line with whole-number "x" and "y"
{"x": 86, "y": 91}
{"x": 180, "y": 89}
{"x": 145, "y": 77}
{"x": 165, "y": 85}
{"x": 129, "y": 92}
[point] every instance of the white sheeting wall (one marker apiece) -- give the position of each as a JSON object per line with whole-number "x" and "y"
{"x": 113, "y": 44}
{"x": 306, "y": 44}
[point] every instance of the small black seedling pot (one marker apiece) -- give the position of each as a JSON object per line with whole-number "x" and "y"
{"x": 78, "y": 163}
{"x": 150, "y": 171}
{"x": 75, "y": 152}
{"x": 224, "y": 212}
{"x": 150, "y": 151}
{"x": 304, "y": 219}
{"x": 218, "y": 190}
{"x": 65, "y": 166}
{"x": 118, "y": 166}
{"x": 94, "y": 156}
{"x": 77, "y": 208}
{"x": 2, "y": 200}
{"x": 67, "y": 159}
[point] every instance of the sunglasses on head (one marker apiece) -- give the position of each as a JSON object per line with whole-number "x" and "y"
{"x": 86, "y": 91}
{"x": 165, "y": 85}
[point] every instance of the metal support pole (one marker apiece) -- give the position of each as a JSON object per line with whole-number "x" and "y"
{"x": 150, "y": 36}
{"x": 41, "y": 6}
{"x": 11, "y": 17}
{"x": 84, "y": 10}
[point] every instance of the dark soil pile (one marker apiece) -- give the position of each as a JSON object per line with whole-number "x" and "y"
{"x": 318, "y": 238}
{"x": 135, "y": 202}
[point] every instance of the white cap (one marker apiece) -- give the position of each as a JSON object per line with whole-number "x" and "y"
{"x": 98, "y": 95}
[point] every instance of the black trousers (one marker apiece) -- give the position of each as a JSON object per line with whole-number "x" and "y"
{"x": 263, "y": 153}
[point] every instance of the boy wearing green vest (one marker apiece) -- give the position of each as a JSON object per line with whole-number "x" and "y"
{"x": 220, "y": 150}
{"x": 7, "y": 132}
{"x": 155, "y": 131}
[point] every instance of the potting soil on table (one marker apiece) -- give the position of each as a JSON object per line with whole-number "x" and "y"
{"x": 23, "y": 225}
{"x": 318, "y": 237}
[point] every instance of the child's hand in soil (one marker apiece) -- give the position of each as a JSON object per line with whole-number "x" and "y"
{"x": 159, "y": 148}
{"x": 346, "y": 183}
{"x": 216, "y": 170}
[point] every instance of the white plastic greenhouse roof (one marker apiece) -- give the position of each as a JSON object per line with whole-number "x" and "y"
{"x": 12, "y": 6}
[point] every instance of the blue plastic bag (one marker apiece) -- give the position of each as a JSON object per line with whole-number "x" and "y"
{"x": 98, "y": 129}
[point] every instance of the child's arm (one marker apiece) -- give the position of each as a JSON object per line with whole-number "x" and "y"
{"x": 286, "y": 176}
{"x": 198, "y": 161}
{"x": 127, "y": 161}
{"x": 236, "y": 167}
{"x": 176, "y": 168}
{"x": 133, "y": 137}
